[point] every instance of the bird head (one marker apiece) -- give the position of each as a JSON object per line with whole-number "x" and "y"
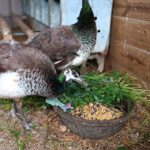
{"x": 71, "y": 75}
{"x": 65, "y": 60}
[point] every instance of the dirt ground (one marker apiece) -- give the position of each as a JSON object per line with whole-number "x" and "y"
{"x": 49, "y": 133}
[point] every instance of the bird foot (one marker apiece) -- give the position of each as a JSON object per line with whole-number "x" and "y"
{"x": 13, "y": 113}
{"x": 25, "y": 124}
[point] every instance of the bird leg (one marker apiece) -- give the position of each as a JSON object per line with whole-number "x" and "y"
{"x": 100, "y": 58}
{"x": 17, "y": 111}
{"x": 12, "y": 112}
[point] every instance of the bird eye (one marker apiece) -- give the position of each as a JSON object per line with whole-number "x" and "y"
{"x": 71, "y": 53}
{"x": 75, "y": 73}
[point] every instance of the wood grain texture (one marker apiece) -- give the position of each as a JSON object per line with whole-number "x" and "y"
{"x": 7, "y": 7}
{"x": 137, "y": 9}
{"x": 131, "y": 31}
{"x": 112, "y": 64}
{"x": 5, "y": 29}
{"x": 131, "y": 58}
{"x": 129, "y": 49}
{"x": 23, "y": 26}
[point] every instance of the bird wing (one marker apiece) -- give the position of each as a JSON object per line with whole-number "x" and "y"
{"x": 7, "y": 61}
{"x": 17, "y": 57}
{"x": 56, "y": 42}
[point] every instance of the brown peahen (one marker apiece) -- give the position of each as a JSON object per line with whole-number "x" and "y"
{"x": 27, "y": 71}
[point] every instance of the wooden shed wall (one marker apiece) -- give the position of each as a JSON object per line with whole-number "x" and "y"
{"x": 129, "y": 49}
{"x": 7, "y": 7}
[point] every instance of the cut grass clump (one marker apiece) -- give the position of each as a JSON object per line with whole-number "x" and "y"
{"x": 28, "y": 103}
{"x": 20, "y": 141}
{"x": 34, "y": 102}
{"x": 5, "y": 104}
{"x": 110, "y": 89}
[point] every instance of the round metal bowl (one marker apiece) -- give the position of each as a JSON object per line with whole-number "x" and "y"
{"x": 93, "y": 129}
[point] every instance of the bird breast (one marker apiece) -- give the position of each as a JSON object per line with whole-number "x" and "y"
{"x": 9, "y": 85}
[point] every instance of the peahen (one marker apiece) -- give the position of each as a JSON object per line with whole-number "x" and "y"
{"x": 27, "y": 71}
{"x": 78, "y": 40}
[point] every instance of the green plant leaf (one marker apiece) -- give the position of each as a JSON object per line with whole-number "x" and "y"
{"x": 121, "y": 148}
{"x": 108, "y": 88}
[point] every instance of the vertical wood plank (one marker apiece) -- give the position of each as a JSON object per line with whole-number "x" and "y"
{"x": 5, "y": 29}
{"x": 23, "y": 26}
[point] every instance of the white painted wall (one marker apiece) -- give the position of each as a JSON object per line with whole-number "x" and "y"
{"x": 102, "y": 9}
{"x": 70, "y": 11}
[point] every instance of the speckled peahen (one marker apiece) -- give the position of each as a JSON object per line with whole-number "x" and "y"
{"x": 27, "y": 71}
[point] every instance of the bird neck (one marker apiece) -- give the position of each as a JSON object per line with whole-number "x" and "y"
{"x": 57, "y": 84}
{"x": 85, "y": 28}
{"x": 61, "y": 78}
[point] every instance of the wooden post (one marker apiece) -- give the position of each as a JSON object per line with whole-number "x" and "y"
{"x": 23, "y": 26}
{"x": 5, "y": 29}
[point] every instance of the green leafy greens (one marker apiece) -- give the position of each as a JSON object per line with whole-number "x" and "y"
{"x": 109, "y": 89}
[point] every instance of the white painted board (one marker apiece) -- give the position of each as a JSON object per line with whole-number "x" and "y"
{"x": 102, "y": 9}
{"x": 70, "y": 10}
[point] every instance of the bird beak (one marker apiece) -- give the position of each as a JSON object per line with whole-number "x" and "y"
{"x": 73, "y": 75}
{"x": 57, "y": 62}
{"x": 80, "y": 81}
